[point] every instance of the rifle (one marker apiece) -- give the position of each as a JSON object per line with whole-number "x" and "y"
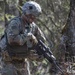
{"x": 42, "y": 49}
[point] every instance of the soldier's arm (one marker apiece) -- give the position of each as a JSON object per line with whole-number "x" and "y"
{"x": 39, "y": 34}
{"x": 13, "y": 34}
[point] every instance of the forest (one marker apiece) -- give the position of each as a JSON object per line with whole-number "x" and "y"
{"x": 57, "y": 22}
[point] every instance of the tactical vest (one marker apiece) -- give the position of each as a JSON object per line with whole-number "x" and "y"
{"x": 16, "y": 50}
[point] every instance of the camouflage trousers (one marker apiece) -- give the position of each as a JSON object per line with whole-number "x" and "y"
{"x": 13, "y": 68}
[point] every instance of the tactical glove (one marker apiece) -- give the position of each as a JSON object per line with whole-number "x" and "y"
{"x": 34, "y": 39}
{"x": 31, "y": 40}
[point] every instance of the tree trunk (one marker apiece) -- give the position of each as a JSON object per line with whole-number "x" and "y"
{"x": 6, "y": 7}
{"x": 69, "y": 31}
{"x": 70, "y": 43}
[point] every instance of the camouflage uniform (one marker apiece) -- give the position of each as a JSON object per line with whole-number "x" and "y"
{"x": 16, "y": 33}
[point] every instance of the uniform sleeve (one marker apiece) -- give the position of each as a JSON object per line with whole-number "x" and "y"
{"x": 13, "y": 34}
{"x": 39, "y": 34}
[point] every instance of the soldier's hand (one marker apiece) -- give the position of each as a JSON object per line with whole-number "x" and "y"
{"x": 5, "y": 56}
{"x": 29, "y": 36}
{"x": 32, "y": 38}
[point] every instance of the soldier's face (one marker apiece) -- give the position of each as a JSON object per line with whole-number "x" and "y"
{"x": 31, "y": 18}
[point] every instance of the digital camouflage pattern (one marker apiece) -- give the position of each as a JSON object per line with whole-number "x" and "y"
{"x": 16, "y": 32}
{"x": 14, "y": 68}
{"x": 32, "y": 7}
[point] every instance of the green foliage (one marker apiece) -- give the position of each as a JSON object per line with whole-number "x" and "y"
{"x": 19, "y": 8}
{"x": 24, "y": 1}
{"x": 1, "y": 30}
{"x": 34, "y": 63}
{"x": 8, "y": 16}
{"x": 1, "y": 18}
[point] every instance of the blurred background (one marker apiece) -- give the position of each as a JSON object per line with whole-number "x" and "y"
{"x": 52, "y": 21}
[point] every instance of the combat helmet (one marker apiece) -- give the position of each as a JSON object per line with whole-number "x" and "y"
{"x": 32, "y": 7}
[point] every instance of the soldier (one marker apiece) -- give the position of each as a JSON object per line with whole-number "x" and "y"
{"x": 21, "y": 34}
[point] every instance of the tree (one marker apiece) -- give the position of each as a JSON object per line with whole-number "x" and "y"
{"x": 6, "y": 7}
{"x": 68, "y": 33}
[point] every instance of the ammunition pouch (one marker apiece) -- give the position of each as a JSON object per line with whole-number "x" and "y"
{"x": 18, "y": 52}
